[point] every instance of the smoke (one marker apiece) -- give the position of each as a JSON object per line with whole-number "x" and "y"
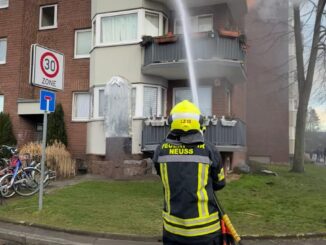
{"x": 270, "y": 10}
{"x": 298, "y": 2}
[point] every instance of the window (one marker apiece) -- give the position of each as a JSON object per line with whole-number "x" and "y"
{"x": 98, "y": 103}
{"x": 119, "y": 28}
{"x": 83, "y": 43}
{"x": 48, "y": 17}
{"x": 152, "y": 24}
{"x": 4, "y": 4}
{"x": 205, "y": 93}
{"x": 101, "y": 104}
{"x": 228, "y": 97}
{"x": 81, "y": 104}
{"x": 1, "y": 103}
{"x": 200, "y": 23}
{"x": 204, "y": 23}
{"x": 3, "y": 50}
{"x": 127, "y": 27}
{"x": 94, "y": 34}
{"x": 165, "y": 25}
{"x": 148, "y": 100}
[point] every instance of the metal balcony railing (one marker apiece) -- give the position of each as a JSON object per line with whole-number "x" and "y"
{"x": 206, "y": 46}
{"x": 218, "y": 135}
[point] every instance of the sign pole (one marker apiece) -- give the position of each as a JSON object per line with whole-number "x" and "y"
{"x": 45, "y": 126}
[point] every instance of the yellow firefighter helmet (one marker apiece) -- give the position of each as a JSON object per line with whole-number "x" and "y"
{"x": 185, "y": 116}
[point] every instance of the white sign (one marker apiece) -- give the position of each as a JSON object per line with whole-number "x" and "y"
{"x": 47, "y": 68}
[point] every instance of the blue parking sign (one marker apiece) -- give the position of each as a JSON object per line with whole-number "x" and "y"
{"x": 47, "y": 100}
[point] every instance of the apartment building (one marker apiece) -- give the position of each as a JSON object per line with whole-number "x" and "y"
{"x": 61, "y": 25}
{"x": 139, "y": 44}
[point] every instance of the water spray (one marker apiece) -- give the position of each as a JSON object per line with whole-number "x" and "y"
{"x": 186, "y": 36}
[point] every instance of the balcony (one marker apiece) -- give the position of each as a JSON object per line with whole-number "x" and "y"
{"x": 225, "y": 138}
{"x": 214, "y": 57}
{"x": 238, "y": 8}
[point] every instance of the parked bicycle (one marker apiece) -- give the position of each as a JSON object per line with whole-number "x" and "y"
{"x": 21, "y": 180}
{"x": 49, "y": 175}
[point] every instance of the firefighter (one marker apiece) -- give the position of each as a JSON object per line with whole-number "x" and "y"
{"x": 190, "y": 170}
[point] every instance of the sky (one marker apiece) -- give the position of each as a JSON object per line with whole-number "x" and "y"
{"x": 321, "y": 112}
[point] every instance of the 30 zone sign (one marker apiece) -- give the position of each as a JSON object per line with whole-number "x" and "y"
{"x": 47, "y": 68}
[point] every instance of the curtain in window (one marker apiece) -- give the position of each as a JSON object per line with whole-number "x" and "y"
{"x": 205, "y": 95}
{"x": 150, "y": 101}
{"x": 119, "y": 28}
{"x": 101, "y": 103}
{"x": 205, "y": 23}
{"x": 133, "y": 101}
{"x": 82, "y": 106}
{"x": 151, "y": 24}
{"x": 4, "y": 3}
{"x": 1, "y": 103}
{"x": 163, "y": 96}
{"x": 83, "y": 42}
{"x": 3, "y": 50}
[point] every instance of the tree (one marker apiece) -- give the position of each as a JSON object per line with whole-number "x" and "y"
{"x": 306, "y": 76}
{"x": 312, "y": 124}
{"x": 56, "y": 127}
{"x": 7, "y": 136}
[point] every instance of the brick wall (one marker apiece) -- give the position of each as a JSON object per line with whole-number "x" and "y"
{"x": 267, "y": 93}
{"x": 19, "y": 23}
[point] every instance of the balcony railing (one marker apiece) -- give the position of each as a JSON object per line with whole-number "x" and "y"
{"x": 219, "y": 135}
{"x": 205, "y": 46}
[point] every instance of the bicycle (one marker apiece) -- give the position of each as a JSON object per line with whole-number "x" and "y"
{"x": 23, "y": 180}
{"x": 49, "y": 175}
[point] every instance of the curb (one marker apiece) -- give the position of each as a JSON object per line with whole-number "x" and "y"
{"x": 27, "y": 238}
{"x": 284, "y": 236}
{"x": 31, "y": 239}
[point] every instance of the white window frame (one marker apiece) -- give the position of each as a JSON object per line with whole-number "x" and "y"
{"x": 194, "y": 20}
{"x": 2, "y": 97}
{"x": 96, "y": 103}
{"x": 55, "y": 25}
{"x": 188, "y": 88}
{"x": 4, "y": 6}
{"x": 76, "y": 56}
{"x": 139, "y": 107}
{"x": 5, "y": 60}
{"x": 79, "y": 119}
{"x": 96, "y": 32}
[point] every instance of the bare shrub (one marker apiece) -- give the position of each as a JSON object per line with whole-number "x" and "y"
{"x": 57, "y": 157}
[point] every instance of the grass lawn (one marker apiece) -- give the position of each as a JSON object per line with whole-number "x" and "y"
{"x": 265, "y": 205}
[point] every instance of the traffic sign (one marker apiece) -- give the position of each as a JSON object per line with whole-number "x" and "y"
{"x": 47, "y": 68}
{"x": 47, "y": 100}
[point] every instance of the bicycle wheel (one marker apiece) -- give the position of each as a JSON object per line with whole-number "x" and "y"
{"x": 4, "y": 183}
{"x": 27, "y": 181}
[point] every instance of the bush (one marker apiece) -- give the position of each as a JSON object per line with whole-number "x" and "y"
{"x": 57, "y": 158}
{"x": 7, "y": 136}
{"x": 56, "y": 127}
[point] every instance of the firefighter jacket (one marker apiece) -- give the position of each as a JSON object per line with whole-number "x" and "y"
{"x": 190, "y": 170}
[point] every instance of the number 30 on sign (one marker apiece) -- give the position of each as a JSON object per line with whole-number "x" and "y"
{"x": 47, "y": 68}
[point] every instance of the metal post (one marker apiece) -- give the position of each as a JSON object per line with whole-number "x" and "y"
{"x": 45, "y": 126}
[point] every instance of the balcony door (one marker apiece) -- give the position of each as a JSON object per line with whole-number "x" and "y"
{"x": 204, "y": 95}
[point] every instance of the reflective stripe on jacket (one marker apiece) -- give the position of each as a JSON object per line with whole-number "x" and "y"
{"x": 190, "y": 173}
